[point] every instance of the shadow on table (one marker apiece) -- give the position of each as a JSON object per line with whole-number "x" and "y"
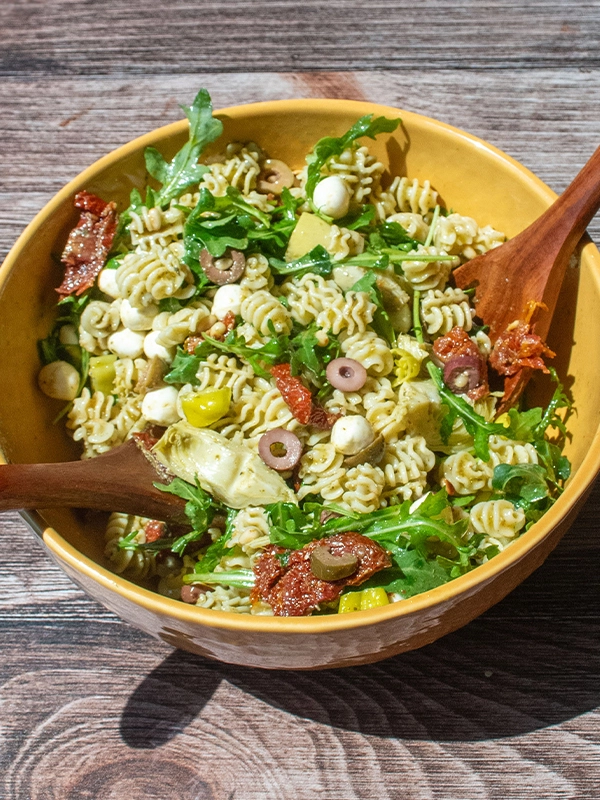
{"x": 530, "y": 662}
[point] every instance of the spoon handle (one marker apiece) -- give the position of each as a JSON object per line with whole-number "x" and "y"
{"x": 120, "y": 480}
{"x": 564, "y": 223}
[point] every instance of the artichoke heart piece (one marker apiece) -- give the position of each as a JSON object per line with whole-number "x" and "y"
{"x": 231, "y": 472}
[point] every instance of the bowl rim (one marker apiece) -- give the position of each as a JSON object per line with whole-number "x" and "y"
{"x": 326, "y": 624}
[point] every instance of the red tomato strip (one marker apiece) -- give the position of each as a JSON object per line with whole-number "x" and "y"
{"x": 88, "y": 244}
{"x": 299, "y": 399}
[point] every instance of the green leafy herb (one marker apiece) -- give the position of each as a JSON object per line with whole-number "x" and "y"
{"x": 200, "y": 506}
{"x": 381, "y": 321}
{"x": 218, "y": 548}
{"x": 244, "y": 578}
{"x": 317, "y": 261}
{"x": 331, "y": 146}
{"x": 309, "y": 357}
{"x": 184, "y": 171}
{"x": 476, "y": 425}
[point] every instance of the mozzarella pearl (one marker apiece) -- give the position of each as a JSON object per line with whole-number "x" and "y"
{"x": 160, "y": 406}
{"x": 59, "y": 380}
{"x": 346, "y": 277}
{"x": 107, "y": 283}
{"x": 126, "y": 343}
{"x": 331, "y": 197}
{"x": 68, "y": 335}
{"x": 227, "y": 298}
{"x": 152, "y": 348}
{"x": 352, "y": 434}
{"x": 137, "y": 319}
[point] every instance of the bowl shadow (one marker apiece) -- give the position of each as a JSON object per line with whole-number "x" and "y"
{"x": 530, "y": 662}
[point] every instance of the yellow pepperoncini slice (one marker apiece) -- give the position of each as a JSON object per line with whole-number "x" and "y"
{"x": 504, "y": 419}
{"x": 201, "y": 409}
{"x": 102, "y": 373}
{"x": 406, "y": 366}
{"x": 362, "y": 601}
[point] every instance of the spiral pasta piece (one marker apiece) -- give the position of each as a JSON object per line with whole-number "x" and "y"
{"x": 413, "y": 197}
{"x": 183, "y": 323}
{"x": 369, "y": 350}
{"x": 363, "y": 485}
{"x": 497, "y": 518}
{"x": 132, "y": 563}
{"x": 423, "y": 275}
{"x": 262, "y": 311}
{"x": 98, "y": 320}
{"x": 443, "y": 310}
{"x": 322, "y": 472}
{"x": 405, "y": 465}
{"x": 153, "y": 226}
{"x": 147, "y": 276}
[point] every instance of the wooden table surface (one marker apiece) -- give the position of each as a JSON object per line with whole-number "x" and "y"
{"x": 509, "y": 706}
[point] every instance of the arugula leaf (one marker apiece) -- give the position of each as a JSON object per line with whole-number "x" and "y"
{"x": 361, "y": 218}
{"x": 244, "y": 578}
{"x": 475, "y": 424}
{"x": 525, "y": 484}
{"x": 381, "y": 321}
{"x": 310, "y": 358}
{"x": 218, "y": 548}
{"x": 334, "y": 146}
{"x": 317, "y": 261}
{"x": 411, "y": 574}
{"x": 184, "y": 171}
{"x": 393, "y": 235}
{"x": 183, "y": 368}
{"x": 200, "y": 506}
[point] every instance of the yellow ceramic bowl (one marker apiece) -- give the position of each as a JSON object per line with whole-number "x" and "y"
{"x": 471, "y": 177}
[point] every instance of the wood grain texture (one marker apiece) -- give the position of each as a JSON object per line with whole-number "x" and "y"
{"x": 508, "y": 707}
{"x": 70, "y": 37}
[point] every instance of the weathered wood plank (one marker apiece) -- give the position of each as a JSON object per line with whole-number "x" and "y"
{"x": 68, "y": 37}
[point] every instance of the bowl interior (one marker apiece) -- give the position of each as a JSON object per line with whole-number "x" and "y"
{"x": 472, "y": 178}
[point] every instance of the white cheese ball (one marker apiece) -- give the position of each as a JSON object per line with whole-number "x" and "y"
{"x": 227, "y": 298}
{"x": 331, "y": 197}
{"x": 352, "y": 434}
{"x": 107, "y": 283}
{"x": 126, "y": 343}
{"x": 160, "y": 406}
{"x": 346, "y": 277}
{"x": 68, "y": 335}
{"x": 59, "y": 380}
{"x": 152, "y": 348}
{"x": 137, "y": 319}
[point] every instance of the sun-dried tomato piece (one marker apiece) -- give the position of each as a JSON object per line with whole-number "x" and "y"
{"x": 154, "y": 530}
{"x": 299, "y": 399}
{"x": 322, "y": 419}
{"x": 517, "y": 348}
{"x": 229, "y": 321}
{"x": 191, "y": 343}
{"x": 285, "y": 580}
{"x": 294, "y": 392}
{"x": 458, "y": 343}
{"x": 88, "y": 244}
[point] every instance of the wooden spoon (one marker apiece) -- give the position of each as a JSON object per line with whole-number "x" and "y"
{"x": 532, "y": 266}
{"x": 120, "y": 480}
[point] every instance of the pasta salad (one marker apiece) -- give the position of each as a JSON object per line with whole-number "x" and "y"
{"x": 289, "y": 346}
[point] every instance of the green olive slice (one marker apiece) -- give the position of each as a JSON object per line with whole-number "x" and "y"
{"x": 328, "y": 567}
